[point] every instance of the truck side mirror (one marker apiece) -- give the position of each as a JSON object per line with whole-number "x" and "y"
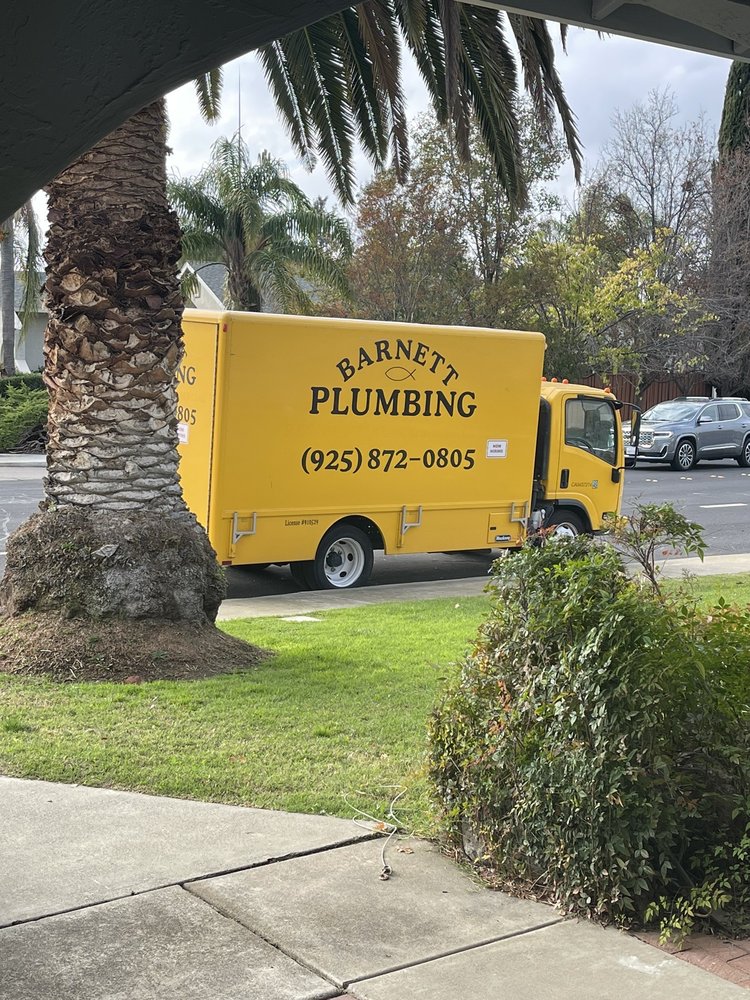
{"x": 635, "y": 428}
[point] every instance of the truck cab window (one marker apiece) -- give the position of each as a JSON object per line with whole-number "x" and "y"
{"x": 590, "y": 425}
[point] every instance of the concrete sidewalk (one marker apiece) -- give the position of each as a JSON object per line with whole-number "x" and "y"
{"x": 116, "y": 896}
{"x": 307, "y": 602}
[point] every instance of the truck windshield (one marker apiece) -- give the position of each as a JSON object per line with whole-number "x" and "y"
{"x": 590, "y": 425}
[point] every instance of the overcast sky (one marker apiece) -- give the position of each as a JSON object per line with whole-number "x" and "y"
{"x": 599, "y": 75}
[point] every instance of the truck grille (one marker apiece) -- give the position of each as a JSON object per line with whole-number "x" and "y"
{"x": 646, "y": 438}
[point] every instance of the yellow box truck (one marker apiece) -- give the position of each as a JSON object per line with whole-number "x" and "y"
{"x": 315, "y": 441}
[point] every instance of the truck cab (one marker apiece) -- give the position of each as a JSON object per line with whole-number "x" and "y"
{"x": 578, "y": 468}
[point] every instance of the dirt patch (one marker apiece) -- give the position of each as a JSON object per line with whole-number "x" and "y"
{"x": 81, "y": 649}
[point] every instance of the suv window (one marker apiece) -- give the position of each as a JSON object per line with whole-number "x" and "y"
{"x": 728, "y": 411}
{"x": 712, "y": 412}
{"x": 590, "y": 425}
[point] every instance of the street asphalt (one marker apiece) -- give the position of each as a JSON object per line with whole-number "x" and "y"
{"x": 111, "y": 895}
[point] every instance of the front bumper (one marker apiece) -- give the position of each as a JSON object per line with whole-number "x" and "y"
{"x": 656, "y": 449}
{"x": 654, "y": 454}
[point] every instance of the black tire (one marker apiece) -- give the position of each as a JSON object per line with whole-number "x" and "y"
{"x": 743, "y": 458}
{"x": 344, "y": 559}
{"x": 564, "y": 523}
{"x": 684, "y": 456}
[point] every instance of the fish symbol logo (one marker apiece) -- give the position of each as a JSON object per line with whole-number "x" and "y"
{"x": 399, "y": 374}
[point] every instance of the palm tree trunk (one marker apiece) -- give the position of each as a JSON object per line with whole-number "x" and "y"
{"x": 7, "y": 296}
{"x": 116, "y": 537}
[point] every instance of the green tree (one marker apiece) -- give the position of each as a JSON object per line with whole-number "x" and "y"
{"x": 734, "y": 133}
{"x": 492, "y": 228}
{"x": 727, "y": 288}
{"x": 440, "y": 247}
{"x": 410, "y": 263}
{"x": 257, "y": 222}
{"x": 24, "y": 255}
{"x": 113, "y": 340}
{"x": 595, "y": 312}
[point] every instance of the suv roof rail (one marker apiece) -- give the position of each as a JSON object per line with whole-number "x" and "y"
{"x": 733, "y": 399}
{"x": 690, "y": 399}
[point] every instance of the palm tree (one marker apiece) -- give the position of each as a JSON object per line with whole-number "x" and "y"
{"x": 257, "y": 222}
{"x": 116, "y": 538}
{"x": 10, "y": 256}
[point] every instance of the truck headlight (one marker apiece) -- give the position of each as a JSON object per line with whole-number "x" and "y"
{"x": 663, "y": 434}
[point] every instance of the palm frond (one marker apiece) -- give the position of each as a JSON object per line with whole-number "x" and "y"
{"x": 367, "y": 100}
{"x": 279, "y": 77}
{"x": 429, "y": 54}
{"x": 314, "y": 263}
{"x": 195, "y": 204}
{"x": 543, "y": 83}
{"x": 311, "y": 227}
{"x": 278, "y": 281}
{"x": 208, "y": 87}
{"x": 316, "y": 71}
{"x": 449, "y": 15}
{"x": 490, "y": 77}
{"x": 378, "y": 29}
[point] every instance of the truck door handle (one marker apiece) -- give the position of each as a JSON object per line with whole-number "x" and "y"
{"x": 564, "y": 479}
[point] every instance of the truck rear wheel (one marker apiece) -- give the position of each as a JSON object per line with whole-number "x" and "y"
{"x": 344, "y": 559}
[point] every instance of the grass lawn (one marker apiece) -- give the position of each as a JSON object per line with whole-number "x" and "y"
{"x": 735, "y": 589}
{"x": 334, "y": 719}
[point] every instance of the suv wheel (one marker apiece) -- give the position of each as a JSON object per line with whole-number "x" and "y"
{"x": 744, "y": 456}
{"x": 684, "y": 456}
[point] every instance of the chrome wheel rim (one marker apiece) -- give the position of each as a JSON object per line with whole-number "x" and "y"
{"x": 344, "y": 562}
{"x": 685, "y": 455}
{"x": 564, "y": 530}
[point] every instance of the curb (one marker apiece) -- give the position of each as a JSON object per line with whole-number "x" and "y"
{"x": 40, "y": 461}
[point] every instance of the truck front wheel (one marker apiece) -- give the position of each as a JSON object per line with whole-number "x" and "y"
{"x": 344, "y": 559}
{"x": 564, "y": 523}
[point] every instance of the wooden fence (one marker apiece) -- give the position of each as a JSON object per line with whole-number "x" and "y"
{"x": 623, "y": 386}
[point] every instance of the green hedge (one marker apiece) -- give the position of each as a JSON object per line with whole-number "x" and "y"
{"x": 597, "y": 745}
{"x": 21, "y": 410}
{"x": 31, "y": 381}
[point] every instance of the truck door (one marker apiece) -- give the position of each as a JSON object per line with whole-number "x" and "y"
{"x": 591, "y": 456}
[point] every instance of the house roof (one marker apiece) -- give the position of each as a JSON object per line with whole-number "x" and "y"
{"x": 213, "y": 275}
{"x": 719, "y": 27}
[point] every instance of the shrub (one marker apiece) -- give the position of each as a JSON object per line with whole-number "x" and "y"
{"x": 33, "y": 380}
{"x": 21, "y": 410}
{"x": 596, "y": 744}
